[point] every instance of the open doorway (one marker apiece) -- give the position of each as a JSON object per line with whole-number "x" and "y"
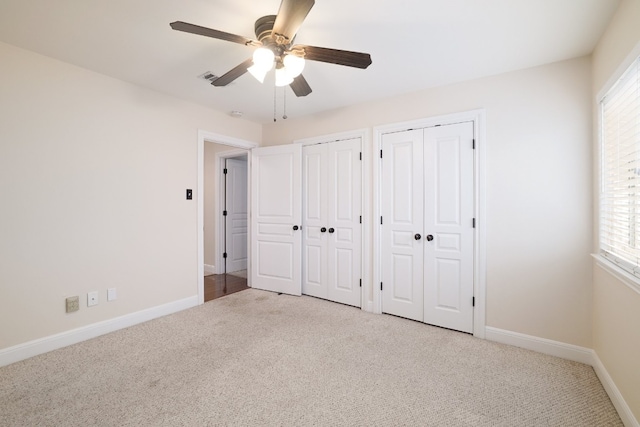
{"x": 225, "y": 219}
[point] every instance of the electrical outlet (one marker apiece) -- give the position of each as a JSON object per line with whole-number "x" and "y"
{"x": 111, "y": 294}
{"x": 92, "y": 298}
{"x": 73, "y": 304}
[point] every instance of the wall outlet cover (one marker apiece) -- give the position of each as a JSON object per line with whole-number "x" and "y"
{"x": 92, "y": 298}
{"x": 111, "y": 294}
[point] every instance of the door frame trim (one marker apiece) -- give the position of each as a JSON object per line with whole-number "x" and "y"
{"x": 478, "y": 117}
{"x": 206, "y": 136}
{"x": 366, "y": 293}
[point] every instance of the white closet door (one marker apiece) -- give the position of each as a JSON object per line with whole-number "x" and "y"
{"x": 236, "y": 220}
{"x": 448, "y": 169}
{"x": 344, "y": 230}
{"x": 314, "y": 219}
{"x": 402, "y": 214}
{"x": 275, "y": 221}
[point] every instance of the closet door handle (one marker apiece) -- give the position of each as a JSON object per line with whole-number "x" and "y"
{"x": 417, "y": 236}
{"x": 323, "y": 229}
{"x": 331, "y": 230}
{"x": 295, "y": 227}
{"x": 429, "y": 237}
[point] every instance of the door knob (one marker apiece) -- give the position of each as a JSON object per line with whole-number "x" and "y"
{"x": 429, "y": 237}
{"x": 417, "y": 236}
{"x": 323, "y": 229}
{"x": 331, "y": 230}
{"x": 295, "y": 227}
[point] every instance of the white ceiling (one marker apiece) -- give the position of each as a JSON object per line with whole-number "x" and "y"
{"x": 414, "y": 44}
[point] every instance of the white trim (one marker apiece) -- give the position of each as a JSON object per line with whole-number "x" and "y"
{"x": 53, "y": 342}
{"x": 209, "y": 269}
{"x": 478, "y": 117}
{"x": 367, "y": 252}
{"x": 203, "y": 136}
{"x": 541, "y": 345}
{"x": 631, "y": 281}
{"x": 616, "y": 397}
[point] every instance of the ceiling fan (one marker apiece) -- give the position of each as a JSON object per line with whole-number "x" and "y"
{"x": 275, "y": 46}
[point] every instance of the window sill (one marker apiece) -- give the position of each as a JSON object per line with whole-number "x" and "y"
{"x": 628, "y": 279}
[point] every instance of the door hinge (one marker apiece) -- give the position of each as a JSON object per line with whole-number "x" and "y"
{"x": 474, "y": 223}
{"x": 380, "y": 220}
{"x": 473, "y": 301}
{"x": 360, "y": 282}
{"x": 224, "y": 171}
{"x": 473, "y": 146}
{"x": 360, "y": 219}
{"x": 380, "y": 285}
{"x": 224, "y": 213}
{"x": 380, "y": 153}
{"x": 361, "y": 155}
{"x": 224, "y": 255}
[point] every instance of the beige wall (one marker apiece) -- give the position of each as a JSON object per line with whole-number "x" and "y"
{"x": 616, "y": 320}
{"x": 93, "y": 173}
{"x": 538, "y": 201}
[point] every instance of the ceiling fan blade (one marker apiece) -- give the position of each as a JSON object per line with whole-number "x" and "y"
{"x": 335, "y": 56}
{"x": 233, "y": 74}
{"x": 290, "y": 17}
{"x": 208, "y": 32}
{"x": 300, "y": 86}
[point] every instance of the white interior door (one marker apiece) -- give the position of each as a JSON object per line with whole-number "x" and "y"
{"x": 275, "y": 219}
{"x": 344, "y": 210}
{"x": 402, "y": 219}
{"x": 314, "y": 221}
{"x": 236, "y": 218}
{"x": 449, "y": 212}
{"x": 332, "y": 231}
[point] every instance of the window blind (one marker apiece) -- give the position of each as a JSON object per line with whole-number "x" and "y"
{"x": 620, "y": 172}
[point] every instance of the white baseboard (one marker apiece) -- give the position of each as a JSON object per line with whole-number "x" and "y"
{"x": 570, "y": 352}
{"x": 541, "y": 345}
{"x": 618, "y": 401}
{"x": 53, "y": 342}
{"x": 209, "y": 269}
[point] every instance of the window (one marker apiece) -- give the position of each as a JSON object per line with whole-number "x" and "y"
{"x": 620, "y": 172}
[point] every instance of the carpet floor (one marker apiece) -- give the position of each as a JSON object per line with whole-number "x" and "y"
{"x": 258, "y": 358}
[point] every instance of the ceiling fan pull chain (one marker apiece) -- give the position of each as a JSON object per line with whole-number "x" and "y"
{"x": 284, "y": 101}
{"x": 274, "y": 102}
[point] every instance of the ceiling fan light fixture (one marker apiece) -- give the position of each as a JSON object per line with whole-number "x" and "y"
{"x": 263, "y": 58}
{"x": 293, "y": 65}
{"x": 258, "y": 73}
{"x": 282, "y": 77}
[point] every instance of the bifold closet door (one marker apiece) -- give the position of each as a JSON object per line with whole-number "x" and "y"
{"x": 402, "y": 221}
{"x": 427, "y": 225}
{"x": 448, "y": 216}
{"x": 332, "y": 231}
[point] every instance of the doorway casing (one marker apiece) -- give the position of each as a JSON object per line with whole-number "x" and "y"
{"x": 206, "y": 136}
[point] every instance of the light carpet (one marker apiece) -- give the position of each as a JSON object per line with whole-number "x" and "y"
{"x": 258, "y": 358}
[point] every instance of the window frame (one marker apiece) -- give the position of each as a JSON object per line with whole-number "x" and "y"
{"x": 625, "y": 271}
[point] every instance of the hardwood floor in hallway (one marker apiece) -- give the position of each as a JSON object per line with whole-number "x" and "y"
{"x": 219, "y": 285}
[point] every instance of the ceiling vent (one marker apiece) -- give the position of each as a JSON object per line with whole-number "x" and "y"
{"x": 208, "y": 76}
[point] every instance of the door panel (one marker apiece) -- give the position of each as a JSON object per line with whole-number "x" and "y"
{"x": 344, "y": 208}
{"x": 237, "y": 214}
{"x": 449, "y": 218}
{"x": 314, "y": 205}
{"x": 276, "y": 202}
{"x": 332, "y": 197}
{"x": 402, "y": 215}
